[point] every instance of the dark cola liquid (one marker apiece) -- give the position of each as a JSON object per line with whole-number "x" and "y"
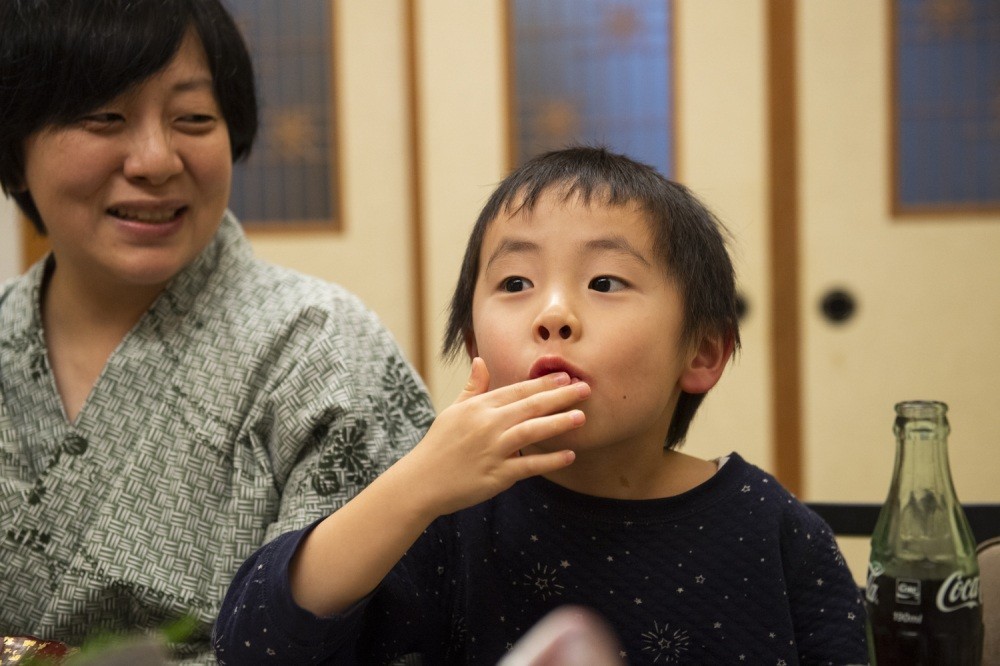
{"x": 909, "y": 629}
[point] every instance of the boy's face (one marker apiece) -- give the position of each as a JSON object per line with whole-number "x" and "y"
{"x": 578, "y": 288}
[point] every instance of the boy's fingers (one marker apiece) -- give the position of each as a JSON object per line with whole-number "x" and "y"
{"x": 512, "y": 393}
{"x": 546, "y": 401}
{"x": 541, "y": 428}
{"x": 541, "y": 463}
{"x": 478, "y": 381}
{"x": 523, "y": 400}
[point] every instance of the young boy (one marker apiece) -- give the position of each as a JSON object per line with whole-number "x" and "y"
{"x": 597, "y": 302}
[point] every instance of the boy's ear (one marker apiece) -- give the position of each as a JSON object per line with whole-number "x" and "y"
{"x": 471, "y": 348}
{"x": 706, "y": 364}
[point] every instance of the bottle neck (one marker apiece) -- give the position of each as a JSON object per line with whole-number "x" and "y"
{"x": 922, "y": 456}
{"x": 922, "y": 523}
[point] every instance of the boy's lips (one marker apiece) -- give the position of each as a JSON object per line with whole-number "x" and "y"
{"x": 547, "y": 365}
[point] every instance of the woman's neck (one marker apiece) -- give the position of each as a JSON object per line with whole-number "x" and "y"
{"x": 84, "y": 322}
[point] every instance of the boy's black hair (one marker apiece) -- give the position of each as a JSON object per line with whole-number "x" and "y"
{"x": 687, "y": 237}
{"x": 60, "y": 59}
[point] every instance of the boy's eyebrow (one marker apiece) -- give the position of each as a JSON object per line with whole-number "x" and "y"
{"x": 510, "y": 246}
{"x": 616, "y": 243}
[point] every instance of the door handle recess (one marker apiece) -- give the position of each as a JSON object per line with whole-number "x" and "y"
{"x": 838, "y": 306}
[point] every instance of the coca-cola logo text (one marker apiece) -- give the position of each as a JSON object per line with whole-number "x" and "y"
{"x": 958, "y": 592}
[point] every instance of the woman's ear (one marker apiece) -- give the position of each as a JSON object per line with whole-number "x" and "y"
{"x": 707, "y": 362}
{"x": 471, "y": 348}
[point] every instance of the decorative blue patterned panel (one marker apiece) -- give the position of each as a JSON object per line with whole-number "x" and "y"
{"x": 290, "y": 178}
{"x": 596, "y": 72}
{"x": 946, "y": 59}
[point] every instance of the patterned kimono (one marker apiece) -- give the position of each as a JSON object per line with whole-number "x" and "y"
{"x": 248, "y": 401}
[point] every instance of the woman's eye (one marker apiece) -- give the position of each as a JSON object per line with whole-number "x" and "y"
{"x": 198, "y": 121}
{"x": 515, "y": 284}
{"x": 607, "y": 284}
{"x": 101, "y": 120}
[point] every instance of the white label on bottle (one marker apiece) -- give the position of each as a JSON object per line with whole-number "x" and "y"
{"x": 907, "y": 591}
{"x": 958, "y": 592}
{"x": 875, "y": 569}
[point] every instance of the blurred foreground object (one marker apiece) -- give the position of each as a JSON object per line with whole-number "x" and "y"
{"x": 568, "y": 636}
{"x": 28, "y": 649}
{"x": 115, "y": 651}
{"x": 988, "y": 554}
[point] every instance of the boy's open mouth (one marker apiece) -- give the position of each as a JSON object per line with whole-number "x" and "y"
{"x": 548, "y": 365}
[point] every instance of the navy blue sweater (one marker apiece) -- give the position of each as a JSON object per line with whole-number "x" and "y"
{"x": 734, "y": 571}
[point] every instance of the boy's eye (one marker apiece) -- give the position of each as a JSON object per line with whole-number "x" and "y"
{"x": 605, "y": 283}
{"x": 515, "y": 284}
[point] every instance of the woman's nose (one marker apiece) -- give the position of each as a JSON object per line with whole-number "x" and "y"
{"x": 152, "y": 156}
{"x": 558, "y": 321}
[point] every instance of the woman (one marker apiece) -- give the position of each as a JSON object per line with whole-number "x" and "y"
{"x": 167, "y": 402}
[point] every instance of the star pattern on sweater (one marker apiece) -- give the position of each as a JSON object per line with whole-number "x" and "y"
{"x": 655, "y": 632}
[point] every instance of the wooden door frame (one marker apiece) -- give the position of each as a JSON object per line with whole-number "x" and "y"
{"x": 34, "y": 246}
{"x": 786, "y": 364}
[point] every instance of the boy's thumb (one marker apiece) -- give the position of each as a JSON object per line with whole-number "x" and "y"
{"x": 479, "y": 378}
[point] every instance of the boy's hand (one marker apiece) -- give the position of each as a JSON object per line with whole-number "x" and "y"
{"x": 470, "y": 454}
{"x": 472, "y": 451}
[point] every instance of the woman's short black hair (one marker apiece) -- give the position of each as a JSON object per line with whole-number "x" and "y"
{"x": 60, "y": 59}
{"x": 687, "y": 238}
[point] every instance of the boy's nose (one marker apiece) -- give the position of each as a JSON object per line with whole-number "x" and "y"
{"x": 557, "y": 320}
{"x": 564, "y": 332}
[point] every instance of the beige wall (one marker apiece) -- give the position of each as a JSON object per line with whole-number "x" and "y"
{"x": 463, "y": 143}
{"x": 929, "y": 312}
{"x": 373, "y": 255}
{"x": 10, "y": 240}
{"x": 722, "y": 156}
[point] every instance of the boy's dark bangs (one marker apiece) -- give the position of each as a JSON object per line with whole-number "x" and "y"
{"x": 591, "y": 183}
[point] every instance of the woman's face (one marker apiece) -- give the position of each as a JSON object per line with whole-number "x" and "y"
{"x": 133, "y": 191}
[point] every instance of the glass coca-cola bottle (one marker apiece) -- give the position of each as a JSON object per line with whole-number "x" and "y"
{"x": 923, "y": 578}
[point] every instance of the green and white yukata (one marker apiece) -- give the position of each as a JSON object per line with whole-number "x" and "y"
{"x": 248, "y": 401}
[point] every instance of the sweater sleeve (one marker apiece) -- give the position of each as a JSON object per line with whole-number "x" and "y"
{"x": 260, "y": 623}
{"x": 827, "y": 610}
